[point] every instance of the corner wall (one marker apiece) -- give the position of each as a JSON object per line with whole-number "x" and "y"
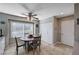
{"x": 6, "y": 28}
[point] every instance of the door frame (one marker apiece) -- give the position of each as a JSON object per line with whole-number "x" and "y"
{"x": 57, "y": 27}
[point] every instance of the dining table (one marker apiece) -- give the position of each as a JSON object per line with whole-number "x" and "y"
{"x": 27, "y": 41}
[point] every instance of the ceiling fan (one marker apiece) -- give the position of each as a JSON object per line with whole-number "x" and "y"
{"x": 30, "y": 15}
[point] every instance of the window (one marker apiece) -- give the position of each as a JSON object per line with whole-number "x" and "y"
{"x": 21, "y": 29}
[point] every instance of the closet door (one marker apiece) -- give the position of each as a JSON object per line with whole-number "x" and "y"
{"x": 67, "y": 32}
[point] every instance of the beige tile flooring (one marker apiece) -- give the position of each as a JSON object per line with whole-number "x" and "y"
{"x": 46, "y": 49}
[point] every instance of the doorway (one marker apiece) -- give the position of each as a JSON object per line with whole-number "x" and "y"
{"x": 64, "y": 30}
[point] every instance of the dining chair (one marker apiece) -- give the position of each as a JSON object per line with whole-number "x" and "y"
{"x": 19, "y": 44}
{"x": 36, "y": 43}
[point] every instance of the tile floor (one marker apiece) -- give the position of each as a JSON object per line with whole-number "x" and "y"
{"x": 46, "y": 49}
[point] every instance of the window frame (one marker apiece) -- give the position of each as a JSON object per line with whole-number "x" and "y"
{"x": 20, "y": 22}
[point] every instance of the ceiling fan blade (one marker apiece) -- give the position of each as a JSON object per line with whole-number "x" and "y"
{"x": 34, "y": 15}
{"x": 29, "y": 15}
{"x": 24, "y": 14}
{"x": 35, "y": 18}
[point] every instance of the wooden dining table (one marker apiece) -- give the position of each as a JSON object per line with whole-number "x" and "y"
{"x": 27, "y": 41}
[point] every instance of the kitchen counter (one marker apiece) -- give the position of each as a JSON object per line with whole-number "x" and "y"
{"x": 2, "y": 45}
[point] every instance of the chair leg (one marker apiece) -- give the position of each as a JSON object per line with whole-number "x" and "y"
{"x": 17, "y": 51}
{"x": 28, "y": 47}
{"x": 25, "y": 46}
{"x": 33, "y": 51}
{"x": 39, "y": 49}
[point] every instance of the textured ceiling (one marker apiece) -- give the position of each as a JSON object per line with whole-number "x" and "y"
{"x": 43, "y": 10}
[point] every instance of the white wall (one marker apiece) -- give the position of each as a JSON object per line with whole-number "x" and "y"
{"x": 46, "y": 30}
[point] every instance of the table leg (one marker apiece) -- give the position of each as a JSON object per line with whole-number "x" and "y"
{"x": 25, "y": 46}
{"x": 28, "y": 47}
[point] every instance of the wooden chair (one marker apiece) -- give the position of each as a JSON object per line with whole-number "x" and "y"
{"x": 36, "y": 43}
{"x": 19, "y": 45}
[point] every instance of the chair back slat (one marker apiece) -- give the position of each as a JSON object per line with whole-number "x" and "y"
{"x": 37, "y": 40}
{"x": 16, "y": 41}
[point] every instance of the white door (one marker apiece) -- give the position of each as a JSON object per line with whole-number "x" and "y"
{"x": 67, "y": 32}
